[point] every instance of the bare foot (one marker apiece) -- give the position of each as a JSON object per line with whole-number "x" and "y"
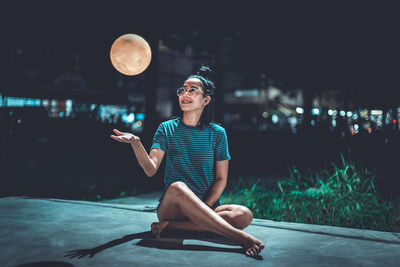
{"x": 252, "y": 245}
{"x": 158, "y": 227}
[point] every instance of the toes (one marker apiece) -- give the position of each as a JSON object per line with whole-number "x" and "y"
{"x": 154, "y": 226}
{"x": 260, "y": 244}
{"x": 249, "y": 252}
{"x": 255, "y": 248}
{"x": 154, "y": 229}
{"x": 253, "y": 251}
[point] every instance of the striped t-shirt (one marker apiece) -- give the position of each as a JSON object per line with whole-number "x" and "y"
{"x": 191, "y": 153}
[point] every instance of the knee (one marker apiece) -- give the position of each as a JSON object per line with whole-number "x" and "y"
{"x": 242, "y": 217}
{"x": 178, "y": 188}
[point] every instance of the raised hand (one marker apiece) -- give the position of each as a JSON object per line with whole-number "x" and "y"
{"x": 125, "y": 137}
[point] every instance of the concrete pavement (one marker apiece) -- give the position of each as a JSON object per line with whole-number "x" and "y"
{"x": 55, "y": 232}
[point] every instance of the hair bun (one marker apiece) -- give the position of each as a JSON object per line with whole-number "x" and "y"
{"x": 205, "y": 72}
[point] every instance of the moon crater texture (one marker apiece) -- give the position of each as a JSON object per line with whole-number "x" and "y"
{"x": 130, "y": 54}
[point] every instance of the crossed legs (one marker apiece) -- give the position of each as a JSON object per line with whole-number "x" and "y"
{"x": 180, "y": 203}
{"x": 238, "y": 216}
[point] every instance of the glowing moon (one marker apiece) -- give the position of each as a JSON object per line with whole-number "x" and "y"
{"x": 130, "y": 54}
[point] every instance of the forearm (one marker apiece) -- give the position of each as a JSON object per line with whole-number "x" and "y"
{"x": 143, "y": 158}
{"x": 216, "y": 191}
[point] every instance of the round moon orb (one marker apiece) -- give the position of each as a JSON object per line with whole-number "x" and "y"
{"x": 130, "y": 54}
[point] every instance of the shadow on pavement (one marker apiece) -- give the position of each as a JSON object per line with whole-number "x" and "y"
{"x": 172, "y": 240}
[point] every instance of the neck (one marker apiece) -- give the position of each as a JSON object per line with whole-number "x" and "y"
{"x": 191, "y": 118}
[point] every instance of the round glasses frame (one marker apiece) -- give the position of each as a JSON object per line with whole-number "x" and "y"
{"x": 191, "y": 91}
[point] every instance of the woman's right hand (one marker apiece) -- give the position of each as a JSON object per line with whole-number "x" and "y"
{"x": 125, "y": 137}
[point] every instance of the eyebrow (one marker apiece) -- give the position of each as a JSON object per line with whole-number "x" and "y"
{"x": 191, "y": 86}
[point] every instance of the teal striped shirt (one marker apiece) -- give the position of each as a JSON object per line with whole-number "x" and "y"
{"x": 191, "y": 153}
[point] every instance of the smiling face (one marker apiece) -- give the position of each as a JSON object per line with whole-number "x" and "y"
{"x": 195, "y": 102}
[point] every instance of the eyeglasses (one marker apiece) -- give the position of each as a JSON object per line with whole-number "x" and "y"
{"x": 191, "y": 91}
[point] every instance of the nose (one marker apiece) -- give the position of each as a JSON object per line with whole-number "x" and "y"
{"x": 186, "y": 93}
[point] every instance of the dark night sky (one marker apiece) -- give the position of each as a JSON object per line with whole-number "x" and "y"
{"x": 336, "y": 45}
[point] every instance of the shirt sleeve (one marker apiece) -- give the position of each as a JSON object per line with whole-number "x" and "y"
{"x": 160, "y": 139}
{"x": 222, "y": 150}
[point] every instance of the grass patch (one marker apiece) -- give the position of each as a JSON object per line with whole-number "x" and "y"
{"x": 343, "y": 196}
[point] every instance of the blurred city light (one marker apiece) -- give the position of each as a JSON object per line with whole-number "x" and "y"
{"x": 376, "y": 112}
{"x": 140, "y": 116}
{"x": 363, "y": 118}
{"x": 292, "y": 121}
{"x": 64, "y": 108}
{"x": 131, "y": 118}
{"x": 246, "y": 93}
{"x": 138, "y": 124}
{"x": 275, "y": 118}
{"x": 315, "y": 111}
{"x": 68, "y": 107}
{"x": 364, "y": 113}
{"x": 19, "y": 102}
{"x": 299, "y": 110}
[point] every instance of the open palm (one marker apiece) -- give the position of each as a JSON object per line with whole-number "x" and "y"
{"x": 124, "y": 137}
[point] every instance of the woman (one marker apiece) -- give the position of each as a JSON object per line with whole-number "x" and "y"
{"x": 196, "y": 169}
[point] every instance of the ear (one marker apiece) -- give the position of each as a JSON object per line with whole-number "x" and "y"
{"x": 206, "y": 101}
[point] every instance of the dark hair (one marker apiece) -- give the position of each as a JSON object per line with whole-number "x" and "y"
{"x": 204, "y": 75}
